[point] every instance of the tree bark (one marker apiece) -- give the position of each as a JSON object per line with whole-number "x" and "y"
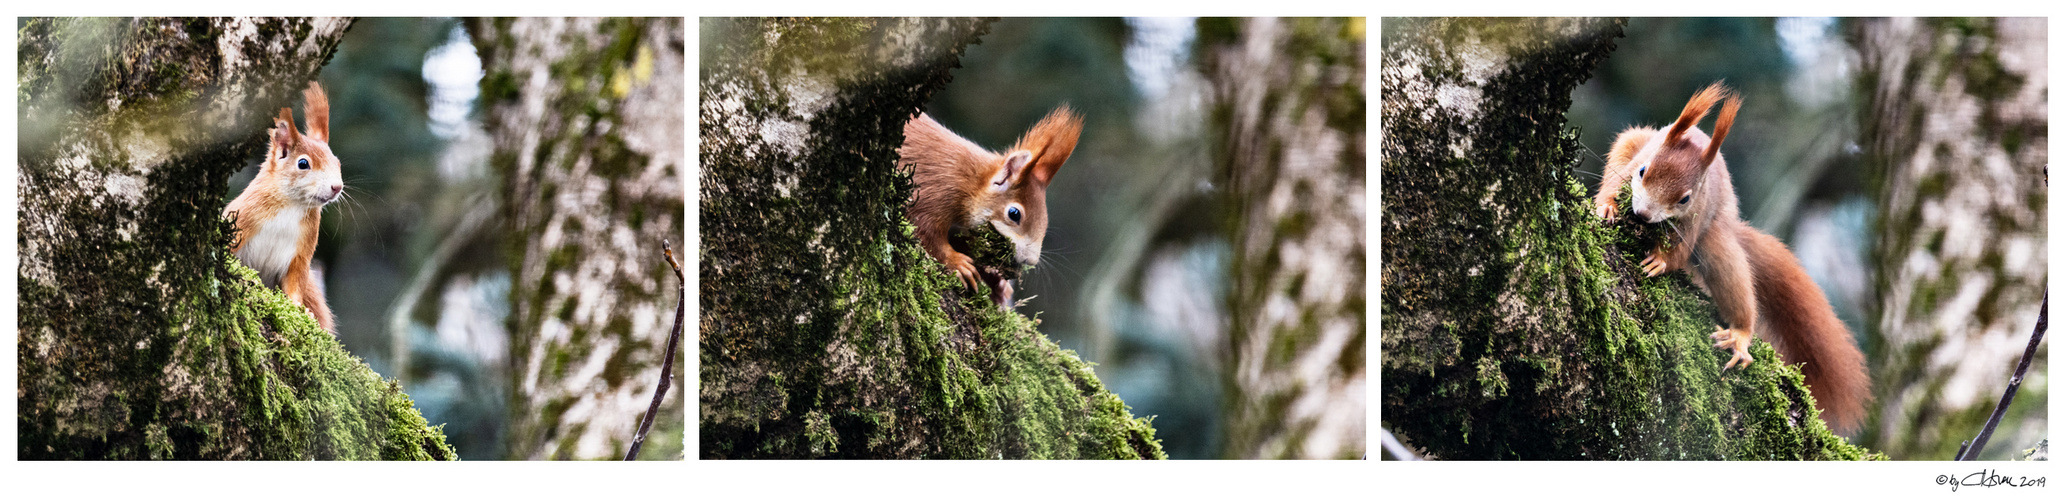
{"x": 1955, "y": 125}
{"x": 141, "y": 336}
{"x": 1289, "y": 105}
{"x": 825, "y": 330}
{"x": 586, "y": 118}
{"x": 1516, "y": 326}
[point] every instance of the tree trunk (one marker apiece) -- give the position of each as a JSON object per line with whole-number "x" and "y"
{"x": 142, "y": 337}
{"x": 1955, "y": 123}
{"x": 826, "y": 332}
{"x": 1289, "y": 102}
{"x": 1514, "y": 325}
{"x": 585, "y": 114}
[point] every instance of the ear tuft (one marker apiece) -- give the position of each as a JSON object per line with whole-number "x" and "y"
{"x": 317, "y": 106}
{"x": 1051, "y": 141}
{"x": 1697, "y": 108}
{"x": 1722, "y": 129}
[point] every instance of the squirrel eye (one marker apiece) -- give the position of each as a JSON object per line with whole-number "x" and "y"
{"x": 303, "y": 163}
{"x": 1013, "y": 213}
{"x": 1640, "y": 170}
{"x": 1683, "y": 199}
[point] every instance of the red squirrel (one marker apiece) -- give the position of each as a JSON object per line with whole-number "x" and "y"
{"x": 1756, "y": 283}
{"x": 279, "y": 212}
{"x": 962, "y": 186}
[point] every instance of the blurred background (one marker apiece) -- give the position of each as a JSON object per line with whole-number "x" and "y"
{"x": 1148, "y": 238}
{"x": 1903, "y": 161}
{"x": 417, "y": 259}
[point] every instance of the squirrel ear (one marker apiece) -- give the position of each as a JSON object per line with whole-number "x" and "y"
{"x": 1011, "y": 171}
{"x": 317, "y": 107}
{"x": 284, "y": 136}
{"x": 1055, "y": 137}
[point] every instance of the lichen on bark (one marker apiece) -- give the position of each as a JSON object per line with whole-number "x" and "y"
{"x": 586, "y": 117}
{"x": 1953, "y": 123}
{"x": 825, "y": 331}
{"x": 141, "y": 336}
{"x": 1515, "y": 326}
{"x": 1289, "y": 111}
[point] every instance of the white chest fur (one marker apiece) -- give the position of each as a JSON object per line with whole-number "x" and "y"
{"x": 271, "y": 250}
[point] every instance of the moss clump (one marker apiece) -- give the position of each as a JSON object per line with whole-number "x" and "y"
{"x": 994, "y": 253}
{"x": 1515, "y": 325}
{"x": 248, "y": 376}
{"x": 826, "y": 331}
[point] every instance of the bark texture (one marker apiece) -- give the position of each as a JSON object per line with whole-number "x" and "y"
{"x": 1955, "y": 127}
{"x": 586, "y": 117}
{"x": 141, "y": 336}
{"x": 1289, "y": 109}
{"x": 1513, "y": 324}
{"x": 825, "y": 330}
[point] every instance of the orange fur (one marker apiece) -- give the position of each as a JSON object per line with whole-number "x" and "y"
{"x": 960, "y": 185}
{"x": 1801, "y": 325}
{"x": 1756, "y": 283}
{"x": 280, "y": 213}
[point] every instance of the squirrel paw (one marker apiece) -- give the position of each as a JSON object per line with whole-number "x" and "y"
{"x": 1738, "y": 342}
{"x": 1607, "y": 211}
{"x": 1001, "y": 294}
{"x": 1656, "y": 263}
{"x": 965, "y": 268}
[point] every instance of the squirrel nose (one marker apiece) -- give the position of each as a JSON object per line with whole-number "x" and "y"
{"x": 336, "y": 188}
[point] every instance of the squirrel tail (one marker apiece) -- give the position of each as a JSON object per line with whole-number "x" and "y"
{"x": 1798, "y": 320}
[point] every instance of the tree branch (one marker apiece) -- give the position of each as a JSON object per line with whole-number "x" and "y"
{"x": 667, "y": 366}
{"x": 2009, "y": 394}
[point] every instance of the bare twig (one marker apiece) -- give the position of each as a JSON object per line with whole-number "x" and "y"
{"x": 667, "y": 366}
{"x": 1973, "y": 451}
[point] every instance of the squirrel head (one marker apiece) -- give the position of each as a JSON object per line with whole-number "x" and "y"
{"x": 301, "y": 166}
{"x": 1017, "y": 205}
{"x": 1674, "y": 165}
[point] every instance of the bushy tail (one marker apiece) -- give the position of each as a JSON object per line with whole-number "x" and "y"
{"x": 1797, "y": 319}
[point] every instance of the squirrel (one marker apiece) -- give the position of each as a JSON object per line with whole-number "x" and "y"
{"x": 278, "y": 214}
{"x": 1757, "y": 284}
{"x": 960, "y": 185}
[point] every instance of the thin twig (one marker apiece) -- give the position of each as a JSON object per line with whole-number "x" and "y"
{"x": 2037, "y": 333}
{"x": 667, "y": 367}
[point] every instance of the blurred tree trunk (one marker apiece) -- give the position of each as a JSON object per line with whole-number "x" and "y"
{"x": 141, "y": 337}
{"x": 1516, "y": 326}
{"x": 1289, "y": 108}
{"x": 825, "y": 331}
{"x": 1955, "y": 125}
{"x": 586, "y": 117}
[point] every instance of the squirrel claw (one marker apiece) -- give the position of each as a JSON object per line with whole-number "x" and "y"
{"x": 964, "y": 269}
{"x": 1739, "y": 344}
{"x": 1656, "y": 263}
{"x": 1607, "y": 212}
